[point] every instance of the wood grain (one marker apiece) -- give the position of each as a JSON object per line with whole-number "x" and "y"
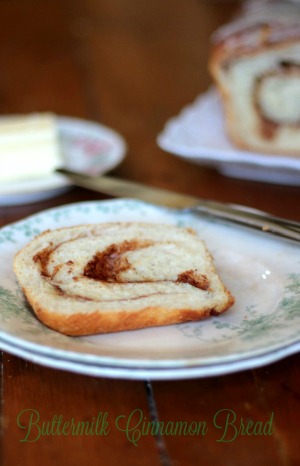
{"x": 132, "y": 65}
{"x": 249, "y": 396}
{"x": 46, "y": 395}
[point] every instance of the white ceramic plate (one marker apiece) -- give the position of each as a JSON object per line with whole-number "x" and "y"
{"x": 262, "y": 327}
{"x": 197, "y": 135}
{"x": 86, "y": 146}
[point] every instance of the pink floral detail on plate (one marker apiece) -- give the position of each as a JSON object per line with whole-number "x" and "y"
{"x": 92, "y": 147}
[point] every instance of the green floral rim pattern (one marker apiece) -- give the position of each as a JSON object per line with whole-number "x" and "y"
{"x": 244, "y": 332}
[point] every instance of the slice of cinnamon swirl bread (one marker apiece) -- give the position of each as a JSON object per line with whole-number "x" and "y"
{"x": 255, "y": 62}
{"x": 118, "y": 276}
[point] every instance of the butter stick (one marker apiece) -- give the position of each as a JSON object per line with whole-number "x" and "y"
{"x": 29, "y": 147}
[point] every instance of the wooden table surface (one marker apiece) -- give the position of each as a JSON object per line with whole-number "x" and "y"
{"x": 132, "y": 65}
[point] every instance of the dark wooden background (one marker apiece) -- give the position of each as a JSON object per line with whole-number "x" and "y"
{"x": 132, "y": 64}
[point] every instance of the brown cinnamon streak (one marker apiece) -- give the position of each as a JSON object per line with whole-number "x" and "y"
{"x": 107, "y": 265}
{"x": 195, "y": 279}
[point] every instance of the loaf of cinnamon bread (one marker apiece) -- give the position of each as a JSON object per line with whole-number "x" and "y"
{"x": 255, "y": 62}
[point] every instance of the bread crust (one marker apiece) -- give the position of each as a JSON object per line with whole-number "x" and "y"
{"x": 97, "y": 322}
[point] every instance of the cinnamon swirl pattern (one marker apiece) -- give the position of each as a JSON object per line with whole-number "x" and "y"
{"x": 255, "y": 62}
{"x": 119, "y": 276}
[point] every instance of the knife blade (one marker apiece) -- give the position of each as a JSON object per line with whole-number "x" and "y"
{"x": 240, "y": 215}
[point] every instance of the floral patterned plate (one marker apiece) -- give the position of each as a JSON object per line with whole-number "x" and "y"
{"x": 263, "y": 326}
{"x": 87, "y": 147}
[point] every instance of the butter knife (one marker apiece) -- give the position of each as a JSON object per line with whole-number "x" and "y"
{"x": 240, "y": 215}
